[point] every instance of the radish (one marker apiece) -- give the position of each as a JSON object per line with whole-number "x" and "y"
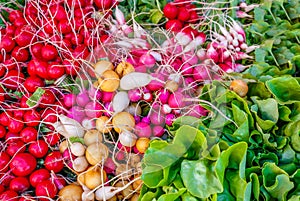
{"x": 163, "y": 96}
{"x": 120, "y": 101}
{"x": 127, "y": 138}
{"x": 174, "y": 25}
{"x": 169, "y": 119}
{"x": 148, "y": 60}
{"x": 143, "y": 129}
{"x": 176, "y": 100}
{"x": 183, "y": 14}
{"x": 158, "y": 131}
{"x": 212, "y": 53}
{"x": 68, "y": 127}
{"x": 134, "y": 95}
{"x": 156, "y": 82}
{"x": 170, "y": 11}
{"x": 135, "y": 80}
{"x": 77, "y": 149}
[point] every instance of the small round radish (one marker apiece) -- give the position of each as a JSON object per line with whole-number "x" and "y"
{"x": 176, "y": 100}
{"x": 143, "y": 129}
{"x": 49, "y": 52}
{"x": 19, "y": 184}
{"x": 82, "y": 99}
{"x": 183, "y": 14}
{"x": 163, "y": 96}
{"x": 142, "y": 144}
{"x": 77, "y": 149}
{"x": 69, "y": 99}
{"x": 169, "y": 119}
{"x": 46, "y": 188}
{"x": 29, "y": 134}
{"x": 38, "y": 148}
{"x": 38, "y": 176}
{"x": 23, "y": 164}
{"x": 158, "y": 131}
{"x": 54, "y": 161}
{"x": 127, "y": 139}
{"x": 174, "y": 25}
{"x": 170, "y": 11}
{"x": 148, "y": 60}
{"x": 157, "y": 118}
{"x": 4, "y": 160}
{"x": 16, "y": 146}
{"x": 135, "y": 95}
{"x": 80, "y": 164}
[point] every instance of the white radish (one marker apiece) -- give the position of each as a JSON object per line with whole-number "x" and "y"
{"x": 80, "y": 164}
{"x": 134, "y": 80}
{"x": 68, "y": 127}
{"x": 120, "y": 101}
{"x": 102, "y": 66}
{"x": 107, "y": 192}
{"x": 127, "y": 138}
{"x": 77, "y": 149}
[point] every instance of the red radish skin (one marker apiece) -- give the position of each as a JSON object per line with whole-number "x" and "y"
{"x": 174, "y": 25}
{"x": 54, "y": 161}
{"x": 38, "y": 176}
{"x": 38, "y": 148}
{"x": 170, "y": 11}
{"x": 23, "y": 164}
{"x": 29, "y": 134}
{"x": 32, "y": 83}
{"x": 143, "y": 130}
{"x": 16, "y": 146}
{"x": 9, "y": 195}
{"x": 158, "y": 131}
{"x": 4, "y": 160}
{"x": 19, "y": 184}
{"x": 7, "y": 43}
{"x": 183, "y": 14}
{"x": 49, "y": 52}
{"x": 46, "y": 188}
{"x": 32, "y": 118}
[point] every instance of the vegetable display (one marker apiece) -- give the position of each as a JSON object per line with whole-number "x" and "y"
{"x": 149, "y": 100}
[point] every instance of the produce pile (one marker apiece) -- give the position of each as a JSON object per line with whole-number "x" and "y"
{"x": 149, "y": 100}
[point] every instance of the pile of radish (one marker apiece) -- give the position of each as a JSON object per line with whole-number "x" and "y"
{"x": 83, "y": 91}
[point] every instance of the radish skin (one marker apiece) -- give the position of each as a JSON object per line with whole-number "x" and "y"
{"x": 135, "y": 80}
{"x": 120, "y": 101}
{"x": 68, "y": 127}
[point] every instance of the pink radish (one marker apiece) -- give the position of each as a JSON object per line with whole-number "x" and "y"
{"x": 163, "y": 96}
{"x": 158, "y": 131}
{"x": 143, "y": 130}
{"x": 176, "y": 100}
{"x": 135, "y": 95}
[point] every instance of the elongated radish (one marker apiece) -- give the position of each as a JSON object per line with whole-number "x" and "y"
{"x": 119, "y": 16}
{"x": 120, "y": 101}
{"x": 135, "y": 80}
{"x": 183, "y": 39}
{"x": 212, "y": 53}
{"x": 69, "y": 127}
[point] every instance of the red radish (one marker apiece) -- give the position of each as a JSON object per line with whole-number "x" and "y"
{"x": 135, "y": 95}
{"x": 29, "y": 134}
{"x": 158, "y": 131}
{"x": 48, "y": 98}
{"x": 148, "y": 60}
{"x": 82, "y": 99}
{"x": 4, "y": 161}
{"x": 15, "y": 125}
{"x": 212, "y": 53}
{"x": 41, "y": 69}
{"x": 46, "y": 188}
{"x": 174, "y": 25}
{"x": 157, "y": 118}
{"x": 183, "y": 14}
{"x": 20, "y": 54}
{"x": 7, "y": 43}
{"x": 49, "y": 52}
{"x": 157, "y": 82}
{"x": 24, "y": 36}
{"x": 143, "y": 130}
{"x": 163, "y": 96}
{"x": 48, "y": 115}
{"x": 13, "y": 79}
{"x": 38, "y": 176}
{"x": 19, "y": 184}
{"x": 109, "y": 166}
{"x": 52, "y": 138}
{"x": 58, "y": 11}
{"x": 10, "y": 29}
{"x": 16, "y": 146}
{"x": 2, "y": 131}
{"x": 170, "y": 11}
{"x": 176, "y": 100}
{"x": 14, "y": 14}
{"x": 201, "y": 73}
{"x": 9, "y": 195}
{"x": 23, "y": 164}
{"x": 54, "y": 161}
{"x": 69, "y": 100}
{"x": 32, "y": 83}
{"x": 107, "y": 96}
{"x": 32, "y": 118}
{"x": 169, "y": 119}
{"x": 20, "y": 22}
{"x": 93, "y": 109}
{"x": 59, "y": 181}
{"x": 64, "y": 27}
{"x": 226, "y": 68}
{"x": 103, "y": 4}
{"x": 55, "y": 70}
{"x": 38, "y": 148}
